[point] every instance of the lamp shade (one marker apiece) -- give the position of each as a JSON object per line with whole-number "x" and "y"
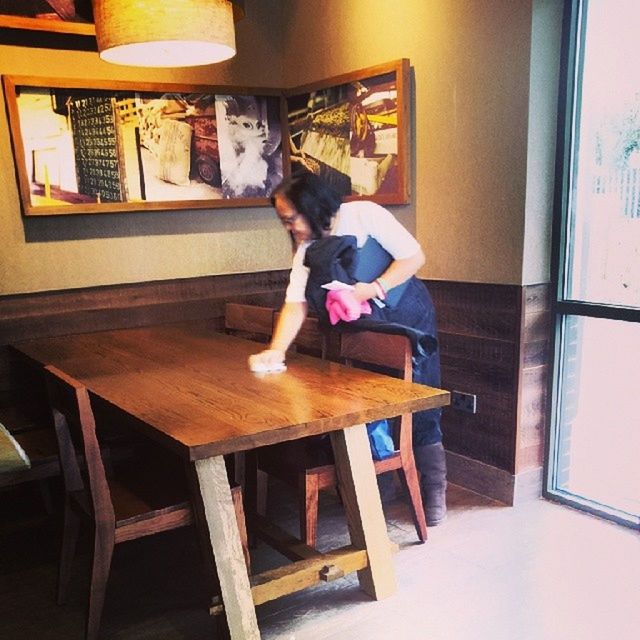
{"x": 172, "y": 33}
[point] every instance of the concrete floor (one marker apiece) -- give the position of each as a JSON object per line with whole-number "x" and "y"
{"x": 535, "y": 572}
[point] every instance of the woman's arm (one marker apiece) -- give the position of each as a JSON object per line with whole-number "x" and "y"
{"x": 397, "y": 272}
{"x": 290, "y": 320}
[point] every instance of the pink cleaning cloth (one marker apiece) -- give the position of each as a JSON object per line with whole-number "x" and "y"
{"x": 342, "y": 305}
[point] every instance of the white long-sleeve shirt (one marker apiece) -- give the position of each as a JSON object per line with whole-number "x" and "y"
{"x": 361, "y": 219}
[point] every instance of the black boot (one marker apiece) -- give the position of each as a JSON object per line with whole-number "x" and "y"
{"x": 432, "y": 467}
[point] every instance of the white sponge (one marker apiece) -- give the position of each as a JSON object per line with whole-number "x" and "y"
{"x": 260, "y": 367}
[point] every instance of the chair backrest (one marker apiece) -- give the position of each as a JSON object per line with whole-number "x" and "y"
{"x": 75, "y": 427}
{"x": 249, "y": 321}
{"x": 387, "y": 350}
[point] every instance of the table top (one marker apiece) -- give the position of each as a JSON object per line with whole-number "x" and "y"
{"x": 191, "y": 387}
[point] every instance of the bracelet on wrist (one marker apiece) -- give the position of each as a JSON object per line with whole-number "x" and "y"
{"x": 383, "y": 285}
{"x": 380, "y": 292}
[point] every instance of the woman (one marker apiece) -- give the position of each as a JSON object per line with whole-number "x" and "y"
{"x": 316, "y": 218}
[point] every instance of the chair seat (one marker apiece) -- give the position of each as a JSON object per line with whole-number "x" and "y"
{"x": 391, "y": 463}
{"x": 286, "y": 460}
{"x": 130, "y": 506}
{"x": 136, "y": 488}
{"x": 298, "y": 454}
{"x": 136, "y": 501}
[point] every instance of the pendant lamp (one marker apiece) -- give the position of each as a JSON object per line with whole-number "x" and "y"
{"x": 170, "y": 33}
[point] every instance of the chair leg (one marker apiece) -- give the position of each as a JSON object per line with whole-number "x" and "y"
{"x": 253, "y": 490}
{"x": 262, "y": 490}
{"x": 71, "y": 527}
{"x": 236, "y": 495}
{"x": 45, "y": 494}
{"x": 222, "y": 628}
{"x": 239, "y": 472}
{"x": 104, "y": 542}
{"x": 409, "y": 477}
{"x": 308, "y": 496}
{"x": 256, "y": 484}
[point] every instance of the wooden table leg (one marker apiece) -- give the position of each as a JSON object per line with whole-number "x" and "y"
{"x": 227, "y": 549}
{"x": 361, "y": 497}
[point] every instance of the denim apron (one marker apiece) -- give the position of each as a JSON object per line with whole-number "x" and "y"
{"x": 413, "y": 315}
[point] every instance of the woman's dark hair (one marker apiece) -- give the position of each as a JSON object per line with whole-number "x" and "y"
{"x": 312, "y": 197}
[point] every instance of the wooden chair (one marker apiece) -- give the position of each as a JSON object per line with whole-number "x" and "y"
{"x": 249, "y": 321}
{"x": 391, "y": 351}
{"x": 146, "y": 498}
{"x": 307, "y": 463}
{"x": 258, "y": 323}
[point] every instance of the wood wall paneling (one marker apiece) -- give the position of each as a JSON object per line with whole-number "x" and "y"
{"x": 494, "y": 342}
{"x": 479, "y": 332}
{"x": 81, "y": 310}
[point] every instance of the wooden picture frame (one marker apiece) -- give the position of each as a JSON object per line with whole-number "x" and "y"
{"x": 29, "y": 23}
{"x": 107, "y": 146}
{"x": 353, "y": 131}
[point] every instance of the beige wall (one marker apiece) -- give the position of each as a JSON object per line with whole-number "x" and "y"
{"x": 471, "y": 65}
{"x": 543, "y": 105}
{"x": 475, "y": 145}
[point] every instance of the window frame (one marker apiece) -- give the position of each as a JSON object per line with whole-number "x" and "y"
{"x": 569, "y": 109}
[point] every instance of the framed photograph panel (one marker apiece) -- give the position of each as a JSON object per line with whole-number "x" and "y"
{"x": 96, "y": 147}
{"x": 352, "y": 130}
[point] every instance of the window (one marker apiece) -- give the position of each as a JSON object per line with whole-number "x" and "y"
{"x": 594, "y": 445}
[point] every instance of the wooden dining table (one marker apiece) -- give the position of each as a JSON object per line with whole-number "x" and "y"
{"x": 189, "y": 388}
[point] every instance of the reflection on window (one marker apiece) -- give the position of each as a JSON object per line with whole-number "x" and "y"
{"x": 605, "y": 230}
{"x": 599, "y": 439}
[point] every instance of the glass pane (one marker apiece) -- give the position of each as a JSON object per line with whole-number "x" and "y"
{"x": 604, "y": 231}
{"x": 599, "y": 431}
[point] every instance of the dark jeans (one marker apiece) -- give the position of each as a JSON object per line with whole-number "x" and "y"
{"x": 415, "y": 317}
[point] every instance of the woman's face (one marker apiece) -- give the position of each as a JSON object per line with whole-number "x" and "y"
{"x": 293, "y": 221}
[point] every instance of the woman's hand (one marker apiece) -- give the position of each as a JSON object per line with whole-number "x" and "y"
{"x": 364, "y": 291}
{"x": 266, "y": 360}
{"x": 397, "y": 272}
